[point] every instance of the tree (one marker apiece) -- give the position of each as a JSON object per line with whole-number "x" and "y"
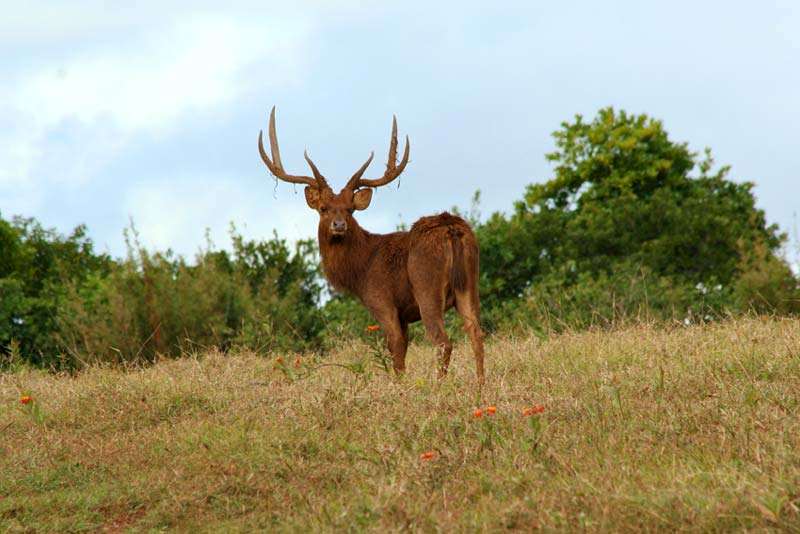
{"x": 625, "y": 198}
{"x": 36, "y": 264}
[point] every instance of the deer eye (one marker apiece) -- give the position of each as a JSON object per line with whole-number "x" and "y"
{"x": 323, "y": 209}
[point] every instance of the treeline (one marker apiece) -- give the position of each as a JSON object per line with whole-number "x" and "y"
{"x": 62, "y": 305}
{"x": 632, "y": 226}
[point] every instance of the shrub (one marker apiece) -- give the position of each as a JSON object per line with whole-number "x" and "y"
{"x": 262, "y": 296}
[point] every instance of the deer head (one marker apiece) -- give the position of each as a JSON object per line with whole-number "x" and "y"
{"x": 335, "y": 210}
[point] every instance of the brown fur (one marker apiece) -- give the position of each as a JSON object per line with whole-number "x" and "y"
{"x": 400, "y": 277}
{"x": 403, "y": 277}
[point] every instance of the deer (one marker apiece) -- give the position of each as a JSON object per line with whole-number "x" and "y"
{"x": 401, "y": 277}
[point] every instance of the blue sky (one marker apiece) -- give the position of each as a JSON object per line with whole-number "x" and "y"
{"x": 151, "y": 110}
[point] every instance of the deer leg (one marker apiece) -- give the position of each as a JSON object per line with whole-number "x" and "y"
{"x": 398, "y": 345}
{"x": 433, "y": 318}
{"x": 396, "y": 333}
{"x": 468, "y": 308}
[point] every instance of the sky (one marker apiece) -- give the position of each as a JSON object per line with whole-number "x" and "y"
{"x": 149, "y": 111}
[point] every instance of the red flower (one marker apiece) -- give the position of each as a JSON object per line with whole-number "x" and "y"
{"x": 26, "y": 399}
{"x": 373, "y": 328}
{"x": 477, "y": 414}
{"x": 536, "y": 409}
{"x": 490, "y": 410}
{"x": 428, "y": 455}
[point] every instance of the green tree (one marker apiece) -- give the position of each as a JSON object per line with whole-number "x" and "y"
{"x": 36, "y": 265}
{"x": 626, "y": 200}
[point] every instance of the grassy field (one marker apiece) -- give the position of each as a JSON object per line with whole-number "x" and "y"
{"x": 694, "y": 428}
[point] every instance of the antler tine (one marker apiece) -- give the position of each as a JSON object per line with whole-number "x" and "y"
{"x": 393, "y": 170}
{"x": 392, "y": 159}
{"x": 317, "y": 175}
{"x": 352, "y": 183}
{"x": 275, "y": 165}
{"x": 273, "y": 140}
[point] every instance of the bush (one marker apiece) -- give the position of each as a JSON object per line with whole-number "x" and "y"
{"x": 36, "y": 266}
{"x": 261, "y": 296}
{"x": 631, "y": 294}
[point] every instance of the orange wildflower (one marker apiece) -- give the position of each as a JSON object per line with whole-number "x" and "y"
{"x": 477, "y": 414}
{"x": 278, "y": 361}
{"x": 297, "y": 362}
{"x": 373, "y": 328}
{"x": 536, "y": 409}
{"x": 491, "y": 410}
{"x": 26, "y": 399}
{"x": 428, "y": 455}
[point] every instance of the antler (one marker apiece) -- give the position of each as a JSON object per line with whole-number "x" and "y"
{"x": 276, "y": 167}
{"x": 393, "y": 170}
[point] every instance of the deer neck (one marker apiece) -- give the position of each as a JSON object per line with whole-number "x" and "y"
{"x": 345, "y": 260}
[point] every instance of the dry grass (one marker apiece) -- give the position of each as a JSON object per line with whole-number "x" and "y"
{"x": 644, "y": 429}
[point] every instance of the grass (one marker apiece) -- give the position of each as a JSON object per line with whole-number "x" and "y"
{"x": 644, "y": 428}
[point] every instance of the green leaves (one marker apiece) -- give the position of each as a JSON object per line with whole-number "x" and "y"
{"x": 36, "y": 265}
{"x": 625, "y": 198}
{"x": 58, "y": 297}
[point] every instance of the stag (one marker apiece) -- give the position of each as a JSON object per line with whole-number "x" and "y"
{"x": 400, "y": 277}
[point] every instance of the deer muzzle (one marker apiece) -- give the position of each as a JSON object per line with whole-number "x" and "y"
{"x": 338, "y": 226}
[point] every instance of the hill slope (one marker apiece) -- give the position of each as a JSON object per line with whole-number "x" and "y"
{"x": 648, "y": 428}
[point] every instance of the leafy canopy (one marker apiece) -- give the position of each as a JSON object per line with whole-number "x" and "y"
{"x": 624, "y": 196}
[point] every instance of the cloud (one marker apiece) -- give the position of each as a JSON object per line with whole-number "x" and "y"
{"x": 148, "y": 86}
{"x": 101, "y": 103}
{"x": 175, "y": 212}
{"x": 86, "y": 89}
{"x": 89, "y": 106}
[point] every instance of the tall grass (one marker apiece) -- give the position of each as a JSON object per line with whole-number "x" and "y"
{"x": 261, "y": 295}
{"x": 643, "y": 428}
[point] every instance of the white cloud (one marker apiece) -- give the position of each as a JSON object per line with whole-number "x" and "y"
{"x": 146, "y": 87}
{"x": 177, "y": 211}
{"x": 56, "y": 22}
{"x": 95, "y": 82}
{"x": 141, "y": 87}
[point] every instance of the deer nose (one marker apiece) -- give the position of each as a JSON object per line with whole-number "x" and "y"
{"x": 338, "y": 226}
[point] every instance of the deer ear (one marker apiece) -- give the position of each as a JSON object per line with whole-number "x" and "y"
{"x": 312, "y": 197}
{"x": 362, "y": 198}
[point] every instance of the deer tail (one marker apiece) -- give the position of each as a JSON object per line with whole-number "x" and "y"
{"x": 458, "y": 272}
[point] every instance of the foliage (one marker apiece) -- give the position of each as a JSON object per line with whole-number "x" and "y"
{"x": 63, "y": 306}
{"x": 345, "y": 317}
{"x": 262, "y": 296}
{"x": 35, "y": 266}
{"x": 626, "y": 199}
